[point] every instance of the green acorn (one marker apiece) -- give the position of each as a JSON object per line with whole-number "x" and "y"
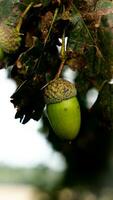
{"x": 9, "y": 38}
{"x": 63, "y": 108}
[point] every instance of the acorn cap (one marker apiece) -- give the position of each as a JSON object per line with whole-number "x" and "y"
{"x": 9, "y": 38}
{"x": 58, "y": 90}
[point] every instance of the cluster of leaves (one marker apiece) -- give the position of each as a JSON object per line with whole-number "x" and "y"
{"x": 88, "y": 26}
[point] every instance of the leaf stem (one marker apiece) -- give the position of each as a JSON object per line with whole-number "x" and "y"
{"x": 45, "y": 42}
{"x": 22, "y": 16}
{"x": 54, "y": 17}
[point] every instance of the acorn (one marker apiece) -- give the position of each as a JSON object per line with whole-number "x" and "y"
{"x": 62, "y": 108}
{"x": 9, "y": 38}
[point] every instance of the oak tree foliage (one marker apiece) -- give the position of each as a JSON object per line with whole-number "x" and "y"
{"x": 88, "y": 25}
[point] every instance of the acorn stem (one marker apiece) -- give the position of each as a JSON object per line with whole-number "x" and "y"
{"x": 62, "y": 52}
{"x": 62, "y": 55}
{"x": 60, "y": 69}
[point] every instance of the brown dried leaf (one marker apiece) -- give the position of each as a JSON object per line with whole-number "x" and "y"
{"x": 29, "y": 40}
{"x": 46, "y": 21}
{"x": 75, "y": 61}
{"x": 95, "y": 16}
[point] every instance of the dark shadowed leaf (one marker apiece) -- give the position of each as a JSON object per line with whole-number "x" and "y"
{"x": 28, "y": 100}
